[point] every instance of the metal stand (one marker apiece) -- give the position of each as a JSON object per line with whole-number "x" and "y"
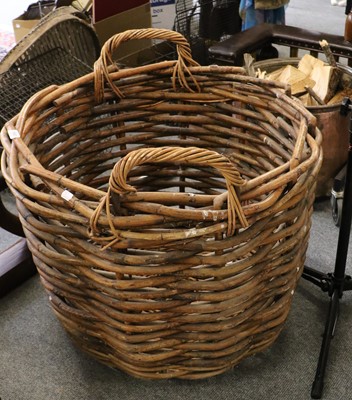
{"x": 337, "y": 282}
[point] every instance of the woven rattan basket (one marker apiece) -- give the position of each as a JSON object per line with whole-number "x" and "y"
{"x": 167, "y": 208}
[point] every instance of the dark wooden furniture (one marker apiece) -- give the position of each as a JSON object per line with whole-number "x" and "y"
{"x": 230, "y": 51}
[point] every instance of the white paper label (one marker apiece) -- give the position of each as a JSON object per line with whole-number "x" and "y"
{"x": 66, "y": 195}
{"x": 13, "y": 133}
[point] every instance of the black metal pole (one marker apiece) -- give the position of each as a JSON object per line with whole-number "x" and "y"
{"x": 345, "y": 228}
{"x": 337, "y": 282}
{"x": 318, "y": 383}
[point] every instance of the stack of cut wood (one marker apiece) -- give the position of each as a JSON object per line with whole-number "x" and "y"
{"x": 313, "y": 81}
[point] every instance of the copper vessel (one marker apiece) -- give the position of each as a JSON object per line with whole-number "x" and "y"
{"x": 333, "y": 125}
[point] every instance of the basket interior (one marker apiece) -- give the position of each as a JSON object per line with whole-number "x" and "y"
{"x": 251, "y": 126}
{"x": 83, "y": 141}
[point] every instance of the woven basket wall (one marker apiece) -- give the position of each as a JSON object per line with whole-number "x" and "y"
{"x": 167, "y": 208}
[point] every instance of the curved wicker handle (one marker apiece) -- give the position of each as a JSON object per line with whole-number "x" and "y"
{"x": 101, "y": 70}
{"x": 192, "y": 155}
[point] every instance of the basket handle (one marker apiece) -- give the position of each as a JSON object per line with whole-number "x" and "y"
{"x": 192, "y": 155}
{"x": 101, "y": 66}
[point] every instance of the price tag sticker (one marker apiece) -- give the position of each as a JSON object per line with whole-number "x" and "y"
{"x": 66, "y": 195}
{"x": 13, "y": 133}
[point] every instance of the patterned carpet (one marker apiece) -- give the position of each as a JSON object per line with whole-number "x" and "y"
{"x": 7, "y": 41}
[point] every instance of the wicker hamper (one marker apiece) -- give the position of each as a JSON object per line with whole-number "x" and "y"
{"x": 167, "y": 208}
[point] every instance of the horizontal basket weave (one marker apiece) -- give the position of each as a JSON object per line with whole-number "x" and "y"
{"x": 167, "y": 208}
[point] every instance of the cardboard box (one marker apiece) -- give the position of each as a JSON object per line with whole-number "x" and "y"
{"x": 160, "y": 51}
{"x": 107, "y": 8}
{"x": 163, "y": 13}
{"x": 30, "y": 18}
{"x": 22, "y": 26}
{"x": 135, "y": 18}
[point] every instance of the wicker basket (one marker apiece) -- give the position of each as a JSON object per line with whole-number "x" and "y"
{"x": 167, "y": 208}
